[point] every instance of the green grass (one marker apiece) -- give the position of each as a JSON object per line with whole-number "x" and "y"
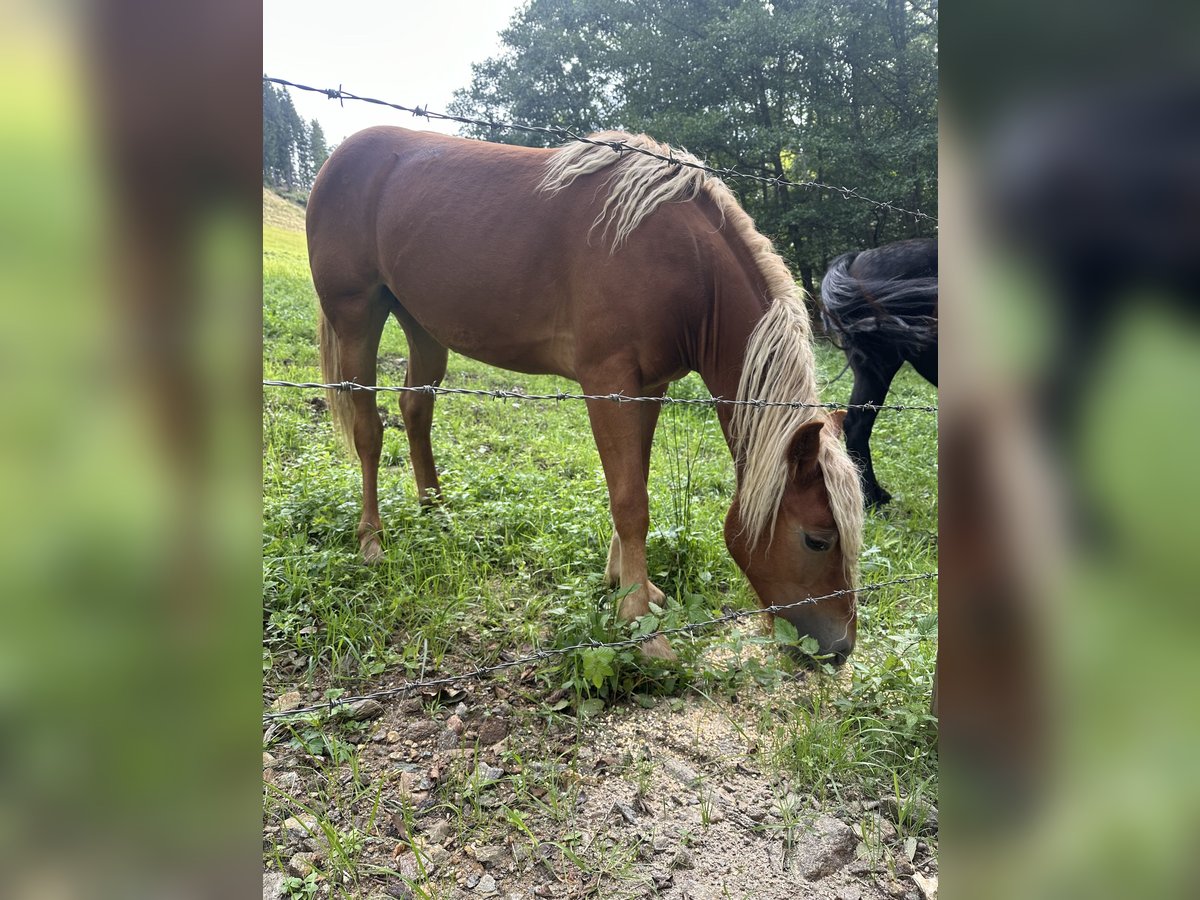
{"x": 514, "y": 559}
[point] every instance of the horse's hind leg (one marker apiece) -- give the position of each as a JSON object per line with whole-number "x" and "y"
{"x": 650, "y": 412}
{"x": 426, "y": 365}
{"x": 357, "y": 322}
{"x": 871, "y": 383}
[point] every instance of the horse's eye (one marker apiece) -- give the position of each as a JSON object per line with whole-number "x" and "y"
{"x": 813, "y": 544}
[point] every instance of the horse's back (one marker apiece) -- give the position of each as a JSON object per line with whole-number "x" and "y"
{"x": 907, "y": 260}
{"x": 492, "y": 267}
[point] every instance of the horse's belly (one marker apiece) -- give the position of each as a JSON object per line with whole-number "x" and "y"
{"x": 521, "y": 342}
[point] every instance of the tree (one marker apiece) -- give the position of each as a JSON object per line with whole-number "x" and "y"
{"x": 317, "y": 148}
{"x": 842, "y": 92}
{"x": 293, "y": 151}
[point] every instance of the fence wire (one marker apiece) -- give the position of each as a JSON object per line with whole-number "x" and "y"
{"x": 615, "y": 398}
{"x": 332, "y": 705}
{"x": 618, "y": 147}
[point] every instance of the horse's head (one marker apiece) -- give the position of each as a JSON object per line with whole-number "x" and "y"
{"x": 814, "y": 547}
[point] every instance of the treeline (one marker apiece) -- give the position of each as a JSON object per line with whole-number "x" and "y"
{"x": 293, "y": 151}
{"x": 842, "y": 92}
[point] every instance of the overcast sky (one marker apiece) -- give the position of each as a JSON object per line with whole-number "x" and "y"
{"x": 411, "y": 53}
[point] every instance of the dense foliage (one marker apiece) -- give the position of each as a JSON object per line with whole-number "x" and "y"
{"x": 843, "y": 92}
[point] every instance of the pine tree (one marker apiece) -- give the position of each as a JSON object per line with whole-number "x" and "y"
{"x": 317, "y": 147}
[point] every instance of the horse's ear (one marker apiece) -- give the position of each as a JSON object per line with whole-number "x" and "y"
{"x": 802, "y": 450}
{"x": 836, "y": 422}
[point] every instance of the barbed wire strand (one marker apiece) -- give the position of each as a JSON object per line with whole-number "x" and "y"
{"x": 562, "y": 395}
{"x": 331, "y": 705}
{"x": 619, "y": 147}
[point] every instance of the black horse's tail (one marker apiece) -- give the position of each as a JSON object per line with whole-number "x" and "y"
{"x": 900, "y": 311}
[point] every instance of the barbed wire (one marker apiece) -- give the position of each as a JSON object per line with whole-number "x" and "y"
{"x": 562, "y": 395}
{"x": 618, "y": 147}
{"x": 484, "y": 671}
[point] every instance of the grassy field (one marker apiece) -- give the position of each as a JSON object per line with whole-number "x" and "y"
{"x": 514, "y": 561}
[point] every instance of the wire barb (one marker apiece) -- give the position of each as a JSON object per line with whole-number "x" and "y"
{"x": 591, "y": 644}
{"x": 567, "y": 134}
{"x": 559, "y": 396}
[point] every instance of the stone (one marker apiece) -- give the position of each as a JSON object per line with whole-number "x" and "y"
{"x": 419, "y": 731}
{"x": 683, "y": 859}
{"x": 488, "y": 773}
{"x": 486, "y": 885}
{"x": 850, "y": 892}
{"x": 302, "y": 864}
{"x": 360, "y": 711}
{"x": 447, "y": 740}
{"x": 288, "y": 701}
{"x": 492, "y": 731}
{"x": 831, "y": 845}
{"x": 439, "y": 831}
{"x": 300, "y": 828}
{"x": 455, "y": 723}
{"x": 393, "y": 737}
{"x": 492, "y": 856}
{"x": 273, "y": 886}
{"x": 681, "y": 772}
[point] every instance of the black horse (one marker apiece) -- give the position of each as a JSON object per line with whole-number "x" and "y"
{"x": 880, "y": 307}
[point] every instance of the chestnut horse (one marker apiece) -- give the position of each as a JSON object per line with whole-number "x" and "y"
{"x": 616, "y": 271}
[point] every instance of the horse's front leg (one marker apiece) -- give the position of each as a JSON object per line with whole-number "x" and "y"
{"x": 619, "y": 432}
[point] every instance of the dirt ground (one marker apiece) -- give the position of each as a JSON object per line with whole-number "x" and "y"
{"x": 476, "y": 794}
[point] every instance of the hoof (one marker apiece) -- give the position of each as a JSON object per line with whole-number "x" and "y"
{"x": 657, "y": 648}
{"x": 372, "y": 553}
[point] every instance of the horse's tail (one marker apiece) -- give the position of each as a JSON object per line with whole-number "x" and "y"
{"x": 901, "y": 311}
{"x": 341, "y": 405}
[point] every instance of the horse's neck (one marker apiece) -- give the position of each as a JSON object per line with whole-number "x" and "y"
{"x": 721, "y": 353}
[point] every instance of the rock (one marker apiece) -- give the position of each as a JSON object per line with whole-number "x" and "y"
{"x": 488, "y": 773}
{"x": 288, "y": 782}
{"x": 288, "y": 701}
{"x": 928, "y": 885}
{"x": 486, "y": 885}
{"x": 300, "y": 828}
{"x": 399, "y": 890}
{"x": 393, "y": 737}
{"x": 360, "y": 711}
{"x": 830, "y": 846}
{"x": 850, "y": 892}
{"x": 273, "y": 886}
{"x": 681, "y": 772}
{"x": 268, "y": 760}
{"x": 455, "y": 724}
{"x": 492, "y": 731}
{"x": 492, "y": 856}
{"x": 435, "y": 858}
{"x": 302, "y": 864}
{"x": 439, "y": 831}
{"x": 419, "y": 731}
{"x": 460, "y": 710}
{"x": 447, "y": 740}
{"x": 405, "y": 863}
{"x": 876, "y": 828}
{"x": 683, "y": 859}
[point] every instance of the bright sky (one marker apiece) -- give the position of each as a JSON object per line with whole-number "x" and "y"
{"x": 411, "y": 53}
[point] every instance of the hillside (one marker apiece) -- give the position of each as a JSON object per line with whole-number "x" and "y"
{"x": 282, "y": 213}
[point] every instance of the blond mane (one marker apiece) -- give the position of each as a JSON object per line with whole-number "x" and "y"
{"x": 779, "y": 363}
